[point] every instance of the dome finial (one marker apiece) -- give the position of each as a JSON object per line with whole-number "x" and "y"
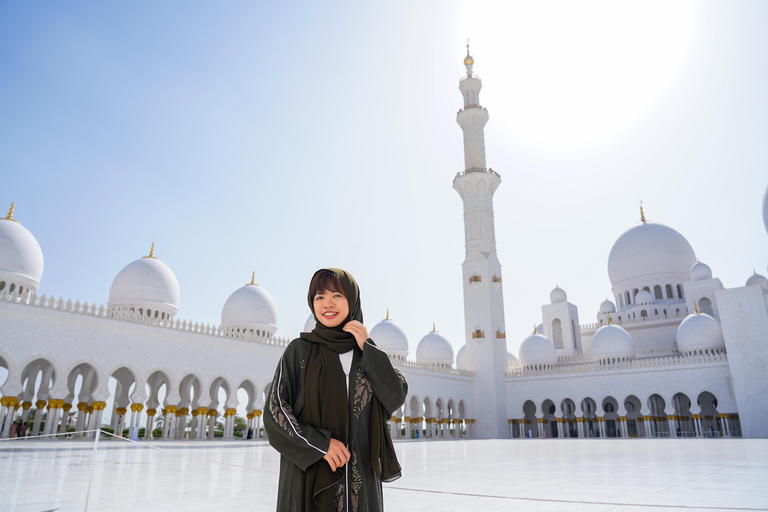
{"x": 695, "y": 308}
{"x": 534, "y": 329}
{"x": 434, "y": 329}
{"x": 609, "y": 319}
{"x": 10, "y": 213}
{"x": 151, "y": 251}
{"x": 642, "y": 214}
{"x": 387, "y": 314}
{"x": 468, "y": 61}
{"x": 253, "y": 278}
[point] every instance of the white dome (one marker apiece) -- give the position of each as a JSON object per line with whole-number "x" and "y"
{"x": 612, "y": 341}
{"x": 557, "y": 295}
{"x": 537, "y": 349}
{"x": 434, "y": 348}
{"x": 540, "y": 328}
{"x": 699, "y": 331}
{"x": 390, "y": 337}
{"x": 700, "y": 271}
{"x": 649, "y": 248}
{"x": 310, "y": 324}
{"x": 757, "y": 279}
{"x": 607, "y": 307}
{"x": 461, "y": 359}
{"x": 147, "y": 283}
{"x": 21, "y": 259}
{"x": 250, "y": 308}
{"x": 643, "y": 298}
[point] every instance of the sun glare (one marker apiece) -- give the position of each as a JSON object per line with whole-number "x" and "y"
{"x": 570, "y": 78}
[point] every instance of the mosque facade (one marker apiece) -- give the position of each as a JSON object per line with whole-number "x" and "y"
{"x": 675, "y": 354}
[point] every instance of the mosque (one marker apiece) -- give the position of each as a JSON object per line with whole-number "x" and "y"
{"x": 675, "y": 354}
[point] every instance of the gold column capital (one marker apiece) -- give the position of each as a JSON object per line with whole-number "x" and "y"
{"x": 137, "y": 407}
{"x": 98, "y": 406}
{"x": 151, "y": 412}
{"x": 170, "y": 409}
{"x": 182, "y": 412}
{"x": 257, "y": 412}
{"x": 26, "y": 405}
{"x": 229, "y": 412}
{"x": 121, "y": 410}
{"x": 211, "y": 412}
{"x": 40, "y": 404}
{"x": 202, "y": 410}
{"x": 82, "y": 406}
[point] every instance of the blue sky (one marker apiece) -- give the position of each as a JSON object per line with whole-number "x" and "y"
{"x": 284, "y": 137}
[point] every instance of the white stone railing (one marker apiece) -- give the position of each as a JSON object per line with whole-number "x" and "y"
{"x": 434, "y": 368}
{"x": 32, "y": 300}
{"x": 650, "y": 362}
{"x": 629, "y": 320}
{"x": 575, "y": 358}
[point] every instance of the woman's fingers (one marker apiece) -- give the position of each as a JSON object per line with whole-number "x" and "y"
{"x": 337, "y": 454}
{"x": 358, "y": 330}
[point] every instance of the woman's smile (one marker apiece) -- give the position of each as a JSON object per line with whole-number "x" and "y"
{"x": 331, "y": 308}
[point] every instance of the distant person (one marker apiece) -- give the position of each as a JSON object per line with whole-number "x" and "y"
{"x": 326, "y": 413}
{"x": 24, "y": 429}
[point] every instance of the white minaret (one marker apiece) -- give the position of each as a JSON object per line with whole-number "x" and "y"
{"x": 483, "y": 297}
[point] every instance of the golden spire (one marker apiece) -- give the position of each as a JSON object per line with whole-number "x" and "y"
{"x": 468, "y": 60}
{"x": 151, "y": 251}
{"x": 387, "y": 314}
{"x": 433, "y": 327}
{"x": 10, "y": 213}
{"x": 695, "y": 308}
{"x": 534, "y": 330}
{"x": 609, "y": 319}
{"x": 253, "y": 278}
{"x": 642, "y": 214}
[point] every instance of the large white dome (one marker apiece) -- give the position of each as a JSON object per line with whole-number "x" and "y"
{"x": 250, "y": 308}
{"x": 461, "y": 359}
{"x": 390, "y": 337}
{"x": 21, "y": 259}
{"x": 647, "y": 249}
{"x": 611, "y": 341}
{"x": 699, "y": 331}
{"x": 536, "y": 349}
{"x": 434, "y": 348}
{"x": 147, "y": 284}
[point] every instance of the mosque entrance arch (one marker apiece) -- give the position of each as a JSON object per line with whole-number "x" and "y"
{"x": 611, "y": 417}
{"x": 549, "y": 423}
{"x": 589, "y": 410}
{"x": 711, "y": 425}
{"x": 123, "y": 383}
{"x": 633, "y": 407}
{"x": 37, "y": 379}
{"x": 568, "y": 408}
{"x": 82, "y": 382}
{"x": 530, "y": 423}
{"x": 190, "y": 390}
{"x": 156, "y": 388}
{"x": 658, "y": 426}
{"x": 683, "y": 418}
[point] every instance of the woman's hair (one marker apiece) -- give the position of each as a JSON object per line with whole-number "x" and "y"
{"x": 325, "y": 280}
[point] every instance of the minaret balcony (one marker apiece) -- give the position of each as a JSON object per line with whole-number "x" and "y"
{"x": 477, "y": 169}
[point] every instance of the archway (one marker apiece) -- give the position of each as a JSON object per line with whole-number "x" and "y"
{"x": 683, "y": 417}
{"x": 711, "y": 425}
{"x": 530, "y": 422}
{"x": 634, "y": 416}
{"x": 589, "y": 410}
{"x": 611, "y": 417}
{"x": 657, "y": 423}
{"x": 568, "y": 408}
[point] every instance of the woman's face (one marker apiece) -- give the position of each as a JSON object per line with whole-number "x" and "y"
{"x": 331, "y": 308}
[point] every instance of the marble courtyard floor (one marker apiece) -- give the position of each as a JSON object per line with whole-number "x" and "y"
{"x": 567, "y": 475}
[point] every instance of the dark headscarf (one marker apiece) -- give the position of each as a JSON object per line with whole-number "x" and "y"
{"x": 325, "y": 398}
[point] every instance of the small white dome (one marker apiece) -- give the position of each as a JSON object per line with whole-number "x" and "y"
{"x": 540, "y": 328}
{"x": 434, "y": 348}
{"x": 390, "y": 337}
{"x": 643, "y": 298}
{"x": 649, "y": 248}
{"x": 758, "y": 280}
{"x": 607, "y": 307}
{"x": 461, "y": 359}
{"x": 557, "y": 295}
{"x": 700, "y": 271}
{"x": 147, "y": 283}
{"x": 537, "y": 349}
{"x": 310, "y": 324}
{"x": 612, "y": 341}
{"x": 250, "y": 308}
{"x": 21, "y": 259}
{"x": 699, "y": 331}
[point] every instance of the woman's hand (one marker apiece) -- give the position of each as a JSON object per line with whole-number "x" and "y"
{"x": 357, "y": 330}
{"x": 337, "y": 454}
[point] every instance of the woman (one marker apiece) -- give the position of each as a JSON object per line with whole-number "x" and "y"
{"x": 330, "y": 399}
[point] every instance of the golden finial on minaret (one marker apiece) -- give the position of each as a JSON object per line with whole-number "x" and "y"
{"x": 695, "y": 308}
{"x": 151, "y": 251}
{"x": 253, "y": 278}
{"x": 642, "y": 214}
{"x": 434, "y": 329}
{"x": 609, "y": 319}
{"x": 468, "y": 60}
{"x": 10, "y": 213}
{"x": 387, "y": 314}
{"x": 534, "y": 330}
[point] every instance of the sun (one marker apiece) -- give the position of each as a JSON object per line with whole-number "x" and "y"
{"x": 572, "y": 78}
